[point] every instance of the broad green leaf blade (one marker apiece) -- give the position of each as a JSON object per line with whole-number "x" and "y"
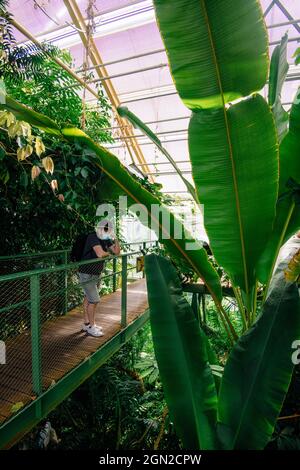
{"x": 217, "y": 49}
{"x": 287, "y": 220}
{"x": 235, "y": 169}
{"x": 259, "y": 369}
{"x": 278, "y": 70}
{"x": 181, "y": 355}
{"x": 138, "y": 124}
{"x": 297, "y": 56}
{"x": 172, "y": 235}
{"x": 290, "y": 148}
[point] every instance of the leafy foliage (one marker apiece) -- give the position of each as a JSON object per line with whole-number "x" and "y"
{"x": 18, "y": 63}
{"x": 256, "y": 375}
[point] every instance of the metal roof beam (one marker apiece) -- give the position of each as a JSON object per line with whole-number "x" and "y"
{"x": 125, "y": 59}
{"x": 269, "y": 8}
{"x": 78, "y": 20}
{"x": 287, "y": 14}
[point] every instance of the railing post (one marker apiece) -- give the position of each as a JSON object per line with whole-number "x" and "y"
{"x": 124, "y": 293}
{"x": 114, "y": 274}
{"x": 36, "y": 352}
{"x": 144, "y": 248}
{"x": 203, "y": 308}
{"x": 65, "y": 294}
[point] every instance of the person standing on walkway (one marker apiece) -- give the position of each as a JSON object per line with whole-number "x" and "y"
{"x": 99, "y": 244}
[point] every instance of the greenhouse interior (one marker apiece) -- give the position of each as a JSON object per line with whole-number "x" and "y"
{"x": 150, "y": 227}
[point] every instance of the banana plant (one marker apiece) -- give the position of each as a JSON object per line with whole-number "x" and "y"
{"x": 287, "y": 220}
{"x": 243, "y": 413}
{"x": 218, "y": 56}
{"x": 234, "y": 163}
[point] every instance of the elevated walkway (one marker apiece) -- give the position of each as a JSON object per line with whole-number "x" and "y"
{"x": 47, "y": 354}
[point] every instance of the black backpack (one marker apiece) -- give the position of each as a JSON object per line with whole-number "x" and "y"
{"x": 78, "y": 247}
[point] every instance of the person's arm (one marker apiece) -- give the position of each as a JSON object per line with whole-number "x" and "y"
{"x": 100, "y": 252}
{"x": 115, "y": 248}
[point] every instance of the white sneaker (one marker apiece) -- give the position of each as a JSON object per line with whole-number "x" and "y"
{"x": 94, "y": 331}
{"x": 85, "y": 327}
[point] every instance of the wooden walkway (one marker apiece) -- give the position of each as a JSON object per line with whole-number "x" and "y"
{"x": 64, "y": 346}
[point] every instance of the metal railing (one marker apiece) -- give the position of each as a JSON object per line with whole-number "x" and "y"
{"x": 30, "y": 300}
{"x": 30, "y": 261}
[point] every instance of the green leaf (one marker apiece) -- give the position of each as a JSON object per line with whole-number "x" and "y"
{"x": 278, "y": 70}
{"x": 2, "y": 153}
{"x": 259, "y": 369}
{"x": 17, "y": 407}
{"x": 287, "y": 220}
{"x": 196, "y": 257}
{"x": 138, "y": 124}
{"x": 24, "y": 179}
{"x": 297, "y": 56}
{"x": 218, "y": 50}
{"x": 4, "y": 174}
{"x": 290, "y": 147}
{"x": 237, "y": 182}
{"x": 181, "y": 355}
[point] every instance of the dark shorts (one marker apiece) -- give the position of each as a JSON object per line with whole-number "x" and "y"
{"x": 89, "y": 283}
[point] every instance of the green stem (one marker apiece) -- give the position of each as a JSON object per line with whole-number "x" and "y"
{"x": 254, "y": 303}
{"x": 227, "y": 322}
{"x": 240, "y": 306}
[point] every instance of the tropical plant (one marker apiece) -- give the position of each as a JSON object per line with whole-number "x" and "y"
{"x": 249, "y": 213}
{"x": 55, "y": 92}
{"x": 220, "y": 68}
{"x": 243, "y": 413}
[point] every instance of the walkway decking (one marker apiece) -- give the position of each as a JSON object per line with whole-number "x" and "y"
{"x": 64, "y": 347}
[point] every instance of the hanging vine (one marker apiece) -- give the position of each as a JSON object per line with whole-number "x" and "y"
{"x": 90, "y": 29}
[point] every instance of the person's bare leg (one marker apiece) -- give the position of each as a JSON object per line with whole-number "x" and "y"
{"x": 91, "y": 310}
{"x": 85, "y": 310}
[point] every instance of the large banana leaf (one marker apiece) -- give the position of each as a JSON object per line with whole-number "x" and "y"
{"x": 217, "y": 49}
{"x": 278, "y": 70}
{"x": 259, "y": 369}
{"x": 287, "y": 220}
{"x": 181, "y": 355}
{"x": 138, "y": 124}
{"x": 111, "y": 166}
{"x": 290, "y": 148}
{"x": 235, "y": 169}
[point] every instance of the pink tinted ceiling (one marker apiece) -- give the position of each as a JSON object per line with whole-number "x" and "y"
{"x": 127, "y": 28}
